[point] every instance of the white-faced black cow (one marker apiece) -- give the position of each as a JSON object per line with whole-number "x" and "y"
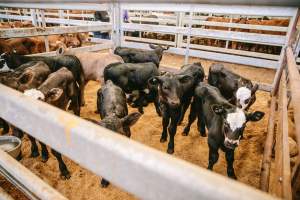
{"x": 235, "y": 88}
{"x": 175, "y": 93}
{"x": 225, "y": 123}
{"x": 111, "y": 104}
{"x": 133, "y": 79}
{"x": 58, "y": 89}
{"x": 131, "y": 55}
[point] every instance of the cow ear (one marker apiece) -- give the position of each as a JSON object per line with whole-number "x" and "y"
{"x": 218, "y": 109}
{"x": 256, "y": 116}
{"x": 25, "y": 78}
{"x": 152, "y": 46}
{"x": 185, "y": 78}
{"x": 131, "y": 119}
{"x": 54, "y": 95}
{"x": 254, "y": 89}
{"x": 154, "y": 81}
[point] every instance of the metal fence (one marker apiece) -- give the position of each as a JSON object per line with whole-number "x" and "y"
{"x": 140, "y": 170}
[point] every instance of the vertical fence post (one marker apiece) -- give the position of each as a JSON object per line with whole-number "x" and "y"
{"x": 33, "y": 17}
{"x": 44, "y": 26}
{"x": 187, "y": 48}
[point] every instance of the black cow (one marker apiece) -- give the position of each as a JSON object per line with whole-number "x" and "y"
{"x": 72, "y": 63}
{"x": 175, "y": 94}
{"x": 235, "y": 88}
{"x": 133, "y": 79}
{"x": 111, "y": 104}
{"x": 131, "y": 55}
{"x": 225, "y": 123}
{"x": 58, "y": 89}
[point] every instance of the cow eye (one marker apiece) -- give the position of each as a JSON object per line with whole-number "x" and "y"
{"x": 165, "y": 87}
{"x": 247, "y": 101}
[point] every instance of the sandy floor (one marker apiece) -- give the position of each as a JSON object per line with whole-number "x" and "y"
{"x": 85, "y": 185}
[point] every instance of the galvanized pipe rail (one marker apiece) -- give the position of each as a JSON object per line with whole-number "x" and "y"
{"x": 138, "y": 169}
{"x": 32, "y": 186}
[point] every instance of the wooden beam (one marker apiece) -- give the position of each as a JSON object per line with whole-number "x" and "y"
{"x": 267, "y": 156}
{"x": 31, "y": 32}
{"x": 286, "y": 168}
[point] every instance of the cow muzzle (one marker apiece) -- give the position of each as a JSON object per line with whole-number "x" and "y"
{"x": 230, "y": 143}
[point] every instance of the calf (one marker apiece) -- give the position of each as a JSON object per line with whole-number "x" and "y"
{"x": 175, "y": 93}
{"x": 235, "y": 88}
{"x": 111, "y": 104}
{"x": 133, "y": 79}
{"x": 55, "y": 63}
{"x": 131, "y": 55}
{"x": 59, "y": 88}
{"x": 225, "y": 123}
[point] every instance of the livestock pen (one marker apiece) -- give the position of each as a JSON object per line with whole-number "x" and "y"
{"x": 140, "y": 170}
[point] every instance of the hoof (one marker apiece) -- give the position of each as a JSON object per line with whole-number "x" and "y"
{"x": 34, "y": 154}
{"x": 233, "y": 177}
{"x": 104, "y": 183}
{"x": 162, "y": 140}
{"x": 19, "y": 157}
{"x": 184, "y": 133}
{"x": 66, "y": 176}
{"x": 203, "y": 134}
{"x": 170, "y": 151}
{"x": 45, "y": 159}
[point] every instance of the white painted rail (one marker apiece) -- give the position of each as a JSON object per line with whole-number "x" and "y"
{"x": 138, "y": 169}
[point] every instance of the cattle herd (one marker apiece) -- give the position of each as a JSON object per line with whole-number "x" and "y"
{"x": 132, "y": 77}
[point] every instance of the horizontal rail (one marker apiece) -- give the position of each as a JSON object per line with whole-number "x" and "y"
{"x": 206, "y": 48}
{"x": 58, "y": 6}
{"x": 51, "y": 20}
{"x": 213, "y": 56}
{"x": 213, "y": 23}
{"x": 141, "y": 170}
{"x": 96, "y": 47}
{"x": 208, "y": 33}
{"x": 31, "y": 32}
{"x": 25, "y": 180}
{"x": 208, "y": 8}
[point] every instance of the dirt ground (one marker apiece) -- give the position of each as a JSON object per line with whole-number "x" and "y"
{"x": 193, "y": 148}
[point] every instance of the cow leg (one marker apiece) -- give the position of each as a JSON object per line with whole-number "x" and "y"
{"x": 213, "y": 157}
{"x": 81, "y": 84}
{"x": 201, "y": 121}
{"x": 175, "y": 115}
{"x": 17, "y": 132}
{"x": 62, "y": 166}
{"x": 192, "y": 117}
{"x": 141, "y": 109}
{"x": 165, "y": 124}
{"x": 229, "y": 154}
{"x": 185, "y": 106}
{"x": 34, "y": 148}
{"x": 45, "y": 154}
{"x": 104, "y": 183}
{"x": 157, "y": 106}
{"x": 127, "y": 131}
{"x": 75, "y": 102}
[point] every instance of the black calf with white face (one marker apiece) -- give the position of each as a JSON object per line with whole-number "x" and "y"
{"x": 225, "y": 123}
{"x": 234, "y": 123}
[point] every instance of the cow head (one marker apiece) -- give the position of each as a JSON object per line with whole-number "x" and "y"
{"x": 56, "y": 97}
{"x": 118, "y": 125}
{"x": 159, "y": 49}
{"x": 234, "y": 122}
{"x": 9, "y": 60}
{"x": 245, "y": 97}
{"x": 171, "y": 87}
